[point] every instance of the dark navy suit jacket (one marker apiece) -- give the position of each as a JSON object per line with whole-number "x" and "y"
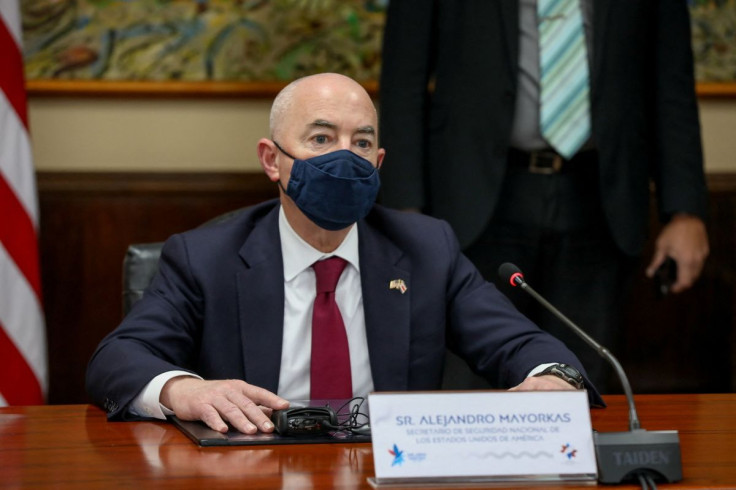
{"x": 216, "y": 308}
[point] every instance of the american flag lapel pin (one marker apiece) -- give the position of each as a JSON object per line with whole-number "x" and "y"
{"x": 398, "y": 284}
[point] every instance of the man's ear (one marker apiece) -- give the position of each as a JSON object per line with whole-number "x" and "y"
{"x": 267, "y": 157}
{"x": 379, "y": 159}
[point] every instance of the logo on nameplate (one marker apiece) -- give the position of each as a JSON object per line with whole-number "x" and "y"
{"x": 568, "y": 451}
{"x": 397, "y": 454}
{"x": 401, "y": 456}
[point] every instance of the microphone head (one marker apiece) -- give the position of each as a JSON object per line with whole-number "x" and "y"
{"x": 509, "y": 272}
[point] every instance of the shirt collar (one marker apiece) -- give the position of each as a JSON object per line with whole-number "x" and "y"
{"x": 298, "y": 255}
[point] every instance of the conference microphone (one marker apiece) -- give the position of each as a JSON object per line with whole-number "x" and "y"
{"x": 622, "y": 456}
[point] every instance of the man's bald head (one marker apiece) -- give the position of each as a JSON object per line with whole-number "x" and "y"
{"x": 310, "y": 86}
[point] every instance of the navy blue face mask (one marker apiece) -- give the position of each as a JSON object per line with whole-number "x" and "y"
{"x": 333, "y": 190}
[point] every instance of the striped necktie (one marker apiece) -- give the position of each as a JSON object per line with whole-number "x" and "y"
{"x": 564, "y": 80}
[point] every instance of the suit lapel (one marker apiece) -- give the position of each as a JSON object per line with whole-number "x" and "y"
{"x": 387, "y": 311}
{"x": 261, "y": 303}
{"x": 600, "y": 25}
{"x": 510, "y": 24}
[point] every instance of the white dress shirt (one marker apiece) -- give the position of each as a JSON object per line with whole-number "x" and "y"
{"x": 300, "y": 289}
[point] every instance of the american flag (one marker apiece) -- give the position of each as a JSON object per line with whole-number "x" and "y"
{"x": 23, "y": 363}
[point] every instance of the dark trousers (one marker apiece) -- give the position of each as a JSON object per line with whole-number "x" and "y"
{"x": 552, "y": 227}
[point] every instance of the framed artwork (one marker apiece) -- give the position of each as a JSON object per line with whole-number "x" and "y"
{"x": 714, "y": 45}
{"x": 253, "y": 47}
{"x": 197, "y": 46}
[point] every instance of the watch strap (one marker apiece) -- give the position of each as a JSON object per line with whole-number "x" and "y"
{"x": 564, "y": 372}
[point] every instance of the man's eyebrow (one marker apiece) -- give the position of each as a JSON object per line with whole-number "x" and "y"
{"x": 366, "y": 130}
{"x": 321, "y": 123}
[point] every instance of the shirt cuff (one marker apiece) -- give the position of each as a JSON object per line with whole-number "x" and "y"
{"x": 540, "y": 368}
{"x": 147, "y": 404}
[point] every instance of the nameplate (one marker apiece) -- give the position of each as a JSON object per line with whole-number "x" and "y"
{"x": 479, "y": 436}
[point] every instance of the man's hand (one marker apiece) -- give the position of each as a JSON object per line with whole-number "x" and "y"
{"x": 543, "y": 383}
{"x": 245, "y": 407}
{"x": 684, "y": 239}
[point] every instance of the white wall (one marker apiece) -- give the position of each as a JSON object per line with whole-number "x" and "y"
{"x": 718, "y": 124}
{"x": 134, "y": 134}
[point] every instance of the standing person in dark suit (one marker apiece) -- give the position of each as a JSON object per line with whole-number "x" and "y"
{"x": 463, "y": 113}
{"x": 223, "y": 333}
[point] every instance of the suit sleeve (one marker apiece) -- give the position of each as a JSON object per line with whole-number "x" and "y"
{"x": 678, "y": 170}
{"x": 406, "y": 68}
{"x": 158, "y": 335}
{"x": 493, "y": 337}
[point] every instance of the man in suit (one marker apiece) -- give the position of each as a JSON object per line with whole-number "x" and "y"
{"x": 223, "y": 332}
{"x": 461, "y": 119}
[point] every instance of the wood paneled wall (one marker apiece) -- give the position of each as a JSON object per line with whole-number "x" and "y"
{"x": 680, "y": 344}
{"x": 686, "y": 343}
{"x": 87, "y": 222}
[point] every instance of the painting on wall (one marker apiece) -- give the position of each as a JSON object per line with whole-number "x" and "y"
{"x": 714, "y": 39}
{"x": 255, "y": 41}
{"x": 201, "y": 40}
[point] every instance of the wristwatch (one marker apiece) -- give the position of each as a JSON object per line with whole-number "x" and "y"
{"x": 565, "y": 372}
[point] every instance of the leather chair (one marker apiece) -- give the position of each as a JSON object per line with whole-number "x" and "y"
{"x": 139, "y": 267}
{"x": 141, "y": 264}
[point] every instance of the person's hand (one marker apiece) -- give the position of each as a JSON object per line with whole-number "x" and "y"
{"x": 543, "y": 383}
{"x": 685, "y": 240}
{"x": 244, "y": 406}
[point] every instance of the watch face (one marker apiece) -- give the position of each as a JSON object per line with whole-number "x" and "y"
{"x": 569, "y": 370}
{"x": 568, "y": 373}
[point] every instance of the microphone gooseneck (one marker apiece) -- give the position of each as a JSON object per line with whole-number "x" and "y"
{"x": 511, "y": 273}
{"x": 621, "y": 456}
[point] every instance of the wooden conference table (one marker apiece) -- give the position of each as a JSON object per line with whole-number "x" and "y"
{"x": 73, "y": 446}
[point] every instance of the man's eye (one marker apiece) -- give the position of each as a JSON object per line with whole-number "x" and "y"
{"x": 320, "y": 139}
{"x": 364, "y": 144}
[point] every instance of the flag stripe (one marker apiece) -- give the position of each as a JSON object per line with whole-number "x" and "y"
{"x": 21, "y": 315}
{"x": 15, "y": 159}
{"x": 15, "y": 368}
{"x": 18, "y": 237}
{"x": 11, "y": 70}
{"x": 10, "y": 13}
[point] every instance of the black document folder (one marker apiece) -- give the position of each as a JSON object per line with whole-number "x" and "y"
{"x": 204, "y": 436}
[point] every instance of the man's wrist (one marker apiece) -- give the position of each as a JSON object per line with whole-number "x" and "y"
{"x": 148, "y": 402}
{"x": 166, "y": 395}
{"x": 565, "y": 372}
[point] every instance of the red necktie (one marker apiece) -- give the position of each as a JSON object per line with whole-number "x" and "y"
{"x": 330, "y": 372}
